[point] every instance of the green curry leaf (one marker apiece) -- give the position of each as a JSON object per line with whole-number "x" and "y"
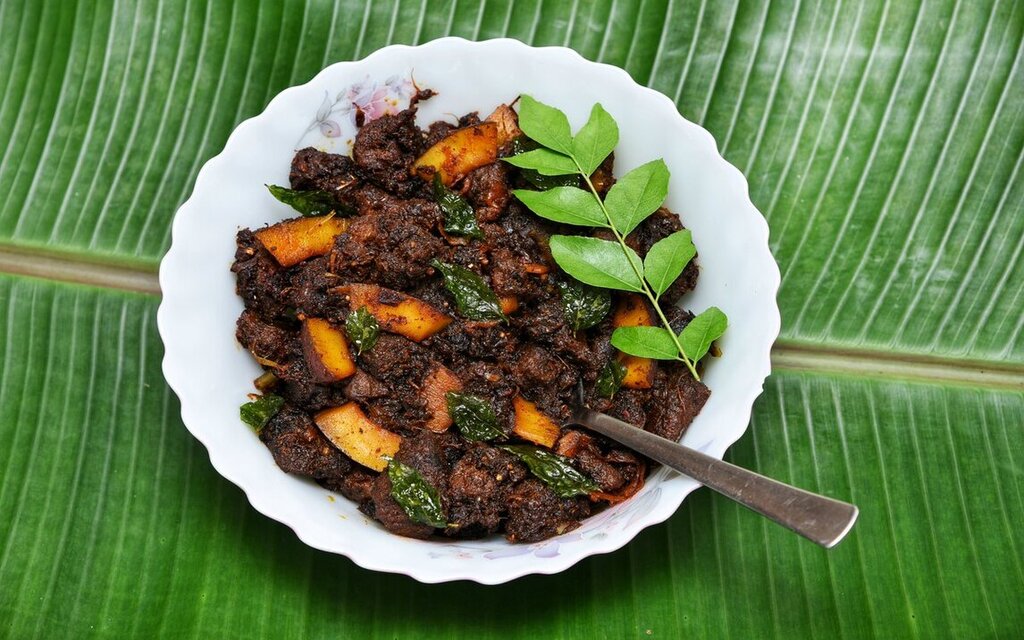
{"x": 667, "y": 259}
{"x": 553, "y": 470}
{"x": 568, "y": 205}
{"x": 545, "y": 162}
{"x": 646, "y": 342}
{"x": 308, "y": 203}
{"x": 362, "y": 329}
{"x": 595, "y": 140}
{"x": 474, "y": 416}
{"x": 473, "y": 298}
{"x": 599, "y": 263}
{"x": 545, "y": 124}
{"x": 596, "y": 261}
{"x": 707, "y": 327}
{"x": 610, "y": 379}
{"x": 459, "y": 218}
{"x": 584, "y": 306}
{"x": 418, "y": 498}
{"x": 258, "y": 413}
{"x": 637, "y": 195}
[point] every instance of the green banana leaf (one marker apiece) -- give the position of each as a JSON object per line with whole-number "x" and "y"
{"x": 884, "y": 143}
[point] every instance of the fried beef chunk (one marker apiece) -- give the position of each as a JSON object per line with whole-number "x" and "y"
{"x": 675, "y": 400}
{"x": 487, "y": 190}
{"x": 259, "y": 280}
{"x": 536, "y": 513}
{"x": 391, "y": 245}
{"x": 299, "y": 447}
{"x": 314, "y": 170}
{"x": 382, "y": 507}
{"x": 356, "y": 485}
{"x": 479, "y": 490}
{"x": 384, "y": 150}
{"x": 266, "y": 341}
{"x": 393, "y": 232}
{"x": 396, "y": 366}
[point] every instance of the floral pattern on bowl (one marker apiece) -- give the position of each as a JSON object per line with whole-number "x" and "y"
{"x": 338, "y": 117}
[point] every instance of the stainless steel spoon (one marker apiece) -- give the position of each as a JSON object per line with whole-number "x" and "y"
{"x": 817, "y": 518}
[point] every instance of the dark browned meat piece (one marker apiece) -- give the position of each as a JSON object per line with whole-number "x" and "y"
{"x": 678, "y": 318}
{"x": 674, "y": 402}
{"x": 518, "y": 239}
{"x": 265, "y": 340}
{"x": 508, "y": 277}
{"x": 628, "y": 405}
{"x": 543, "y": 321}
{"x": 330, "y": 172}
{"x": 478, "y": 491}
{"x": 402, "y": 410}
{"x": 611, "y": 469}
{"x": 605, "y": 474}
{"x": 299, "y": 389}
{"x": 259, "y": 280}
{"x": 438, "y": 131}
{"x": 441, "y": 129}
{"x": 536, "y": 513}
{"x": 355, "y": 485}
{"x": 413, "y": 211}
{"x": 453, "y": 447}
{"x": 544, "y": 317}
{"x": 395, "y": 358}
{"x": 476, "y": 340}
{"x": 385, "y": 148}
{"x": 390, "y": 245}
{"x": 486, "y": 189}
{"x": 363, "y": 387}
{"x": 308, "y": 290}
{"x": 538, "y": 367}
{"x": 397, "y": 366}
{"x": 299, "y": 447}
{"x": 469, "y": 120}
{"x": 543, "y": 378}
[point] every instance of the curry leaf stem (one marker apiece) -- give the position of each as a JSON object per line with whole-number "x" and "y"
{"x": 639, "y": 274}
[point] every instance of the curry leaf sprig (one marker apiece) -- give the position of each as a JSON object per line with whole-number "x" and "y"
{"x": 604, "y": 263}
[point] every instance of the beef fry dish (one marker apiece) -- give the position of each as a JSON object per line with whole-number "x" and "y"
{"x": 422, "y": 348}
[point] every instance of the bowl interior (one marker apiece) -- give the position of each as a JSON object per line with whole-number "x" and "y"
{"x": 212, "y": 374}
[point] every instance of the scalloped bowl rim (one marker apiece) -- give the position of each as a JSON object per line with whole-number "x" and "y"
{"x": 179, "y": 321}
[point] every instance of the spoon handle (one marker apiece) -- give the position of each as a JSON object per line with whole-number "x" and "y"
{"x": 817, "y": 518}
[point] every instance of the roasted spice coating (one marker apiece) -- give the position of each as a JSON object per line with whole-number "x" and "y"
{"x": 394, "y": 234}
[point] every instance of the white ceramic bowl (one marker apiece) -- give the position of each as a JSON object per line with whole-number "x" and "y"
{"x": 212, "y": 374}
